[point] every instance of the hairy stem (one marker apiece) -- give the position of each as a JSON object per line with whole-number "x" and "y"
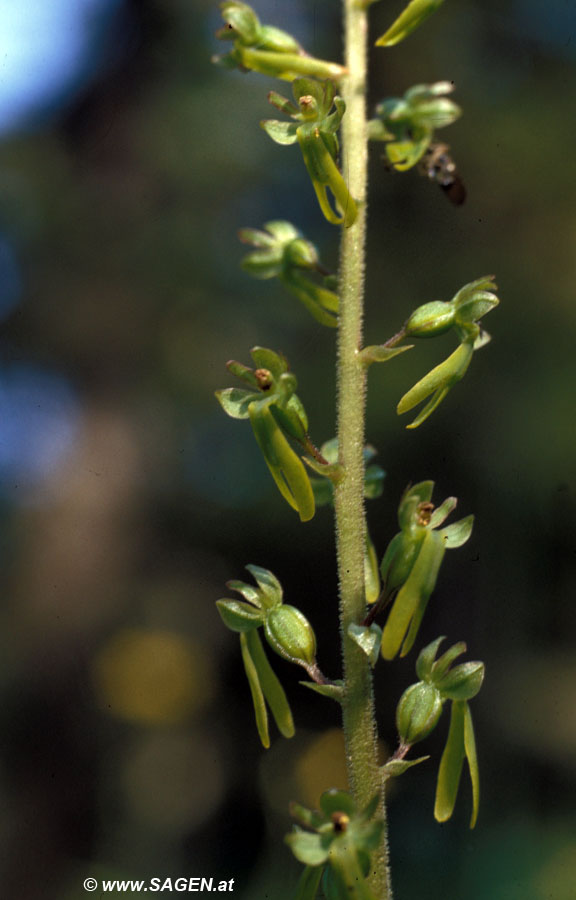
{"x": 358, "y": 707}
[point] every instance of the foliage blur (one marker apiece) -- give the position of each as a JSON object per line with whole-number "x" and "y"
{"x": 128, "y": 498}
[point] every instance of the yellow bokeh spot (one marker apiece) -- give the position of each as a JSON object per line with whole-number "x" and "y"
{"x": 151, "y": 677}
{"x": 556, "y": 879}
{"x": 321, "y": 766}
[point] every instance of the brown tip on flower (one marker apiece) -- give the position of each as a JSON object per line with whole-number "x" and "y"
{"x": 264, "y": 377}
{"x": 425, "y": 511}
{"x": 340, "y": 821}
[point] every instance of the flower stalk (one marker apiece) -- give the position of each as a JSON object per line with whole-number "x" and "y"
{"x": 358, "y": 701}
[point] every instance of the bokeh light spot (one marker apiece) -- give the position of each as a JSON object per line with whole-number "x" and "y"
{"x": 49, "y": 49}
{"x": 321, "y": 766}
{"x": 151, "y": 677}
{"x": 38, "y": 423}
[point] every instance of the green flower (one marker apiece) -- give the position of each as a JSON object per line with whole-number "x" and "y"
{"x": 407, "y": 124}
{"x": 266, "y": 49}
{"x": 337, "y": 847}
{"x": 412, "y": 562}
{"x": 418, "y": 713}
{"x": 286, "y": 630}
{"x": 283, "y": 252}
{"x": 463, "y": 314}
{"x": 314, "y": 129}
{"x": 276, "y": 414}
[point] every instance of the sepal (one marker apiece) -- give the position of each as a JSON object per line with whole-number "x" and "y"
{"x": 235, "y": 402}
{"x": 241, "y": 22}
{"x": 442, "y": 512}
{"x": 458, "y": 533}
{"x": 475, "y": 300}
{"x": 438, "y": 668}
{"x": 270, "y": 589}
{"x": 238, "y": 616}
{"x": 310, "y": 849}
{"x": 281, "y": 132}
{"x": 462, "y": 682}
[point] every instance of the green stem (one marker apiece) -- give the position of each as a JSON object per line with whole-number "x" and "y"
{"x": 359, "y": 721}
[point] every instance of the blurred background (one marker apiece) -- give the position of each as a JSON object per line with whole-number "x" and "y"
{"x": 127, "y": 498}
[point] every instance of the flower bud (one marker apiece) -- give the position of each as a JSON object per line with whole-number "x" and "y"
{"x": 431, "y": 319}
{"x": 290, "y": 634}
{"x": 418, "y": 712}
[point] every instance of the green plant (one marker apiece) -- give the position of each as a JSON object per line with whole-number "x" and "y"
{"x": 343, "y": 846}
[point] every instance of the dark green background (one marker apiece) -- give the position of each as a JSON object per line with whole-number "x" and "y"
{"x": 124, "y": 212}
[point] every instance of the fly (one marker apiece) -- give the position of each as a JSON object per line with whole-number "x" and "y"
{"x": 439, "y": 166}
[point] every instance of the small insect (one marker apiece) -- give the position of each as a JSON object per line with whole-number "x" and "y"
{"x": 438, "y": 165}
